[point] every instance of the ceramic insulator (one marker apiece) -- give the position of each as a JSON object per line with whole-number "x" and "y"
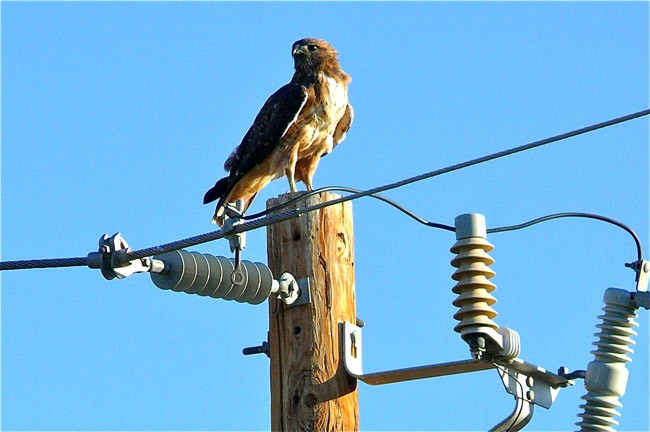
{"x": 207, "y": 275}
{"x": 473, "y": 287}
{"x": 606, "y": 377}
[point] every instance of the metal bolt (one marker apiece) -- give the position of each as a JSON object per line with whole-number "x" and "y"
{"x": 530, "y": 395}
{"x": 530, "y": 381}
{"x": 646, "y": 267}
{"x": 261, "y": 349}
{"x": 563, "y": 370}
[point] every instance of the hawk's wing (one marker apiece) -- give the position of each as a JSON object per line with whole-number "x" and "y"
{"x": 274, "y": 119}
{"x": 343, "y": 125}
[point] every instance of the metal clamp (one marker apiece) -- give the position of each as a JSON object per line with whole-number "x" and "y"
{"x": 232, "y": 218}
{"x": 114, "y": 261}
{"x": 530, "y": 385}
{"x": 292, "y": 291}
{"x": 642, "y": 270}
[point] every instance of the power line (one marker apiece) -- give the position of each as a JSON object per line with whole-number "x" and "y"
{"x": 356, "y": 191}
{"x": 44, "y": 263}
{"x": 637, "y": 241}
{"x": 486, "y": 158}
{"x": 289, "y": 214}
{"x": 431, "y": 224}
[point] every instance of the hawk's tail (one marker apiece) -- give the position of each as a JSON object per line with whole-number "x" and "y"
{"x": 220, "y": 192}
{"x": 216, "y": 191}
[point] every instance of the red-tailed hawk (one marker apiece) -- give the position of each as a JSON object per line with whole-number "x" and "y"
{"x": 302, "y": 121}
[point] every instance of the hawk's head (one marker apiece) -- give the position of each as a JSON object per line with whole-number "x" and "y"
{"x": 310, "y": 55}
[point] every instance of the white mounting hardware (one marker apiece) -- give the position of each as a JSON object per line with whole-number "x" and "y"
{"x": 291, "y": 291}
{"x": 530, "y": 385}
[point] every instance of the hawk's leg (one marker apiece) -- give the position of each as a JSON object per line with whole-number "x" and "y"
{"x": 292, "y": 183}
{"x": 290, "y": 170}
{"x": 291, "y": 176}
{"x": 305, "y": 170}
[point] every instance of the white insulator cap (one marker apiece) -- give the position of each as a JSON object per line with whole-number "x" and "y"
{"x": 470, "y": 225}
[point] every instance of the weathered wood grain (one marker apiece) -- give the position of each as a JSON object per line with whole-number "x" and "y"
{"x": 310, "y": 389}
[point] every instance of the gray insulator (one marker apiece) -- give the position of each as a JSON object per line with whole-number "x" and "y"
{"x": 606, "y": 376}
{"x": 208, "y": 275}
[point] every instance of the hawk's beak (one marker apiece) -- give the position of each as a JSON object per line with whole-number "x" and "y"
{"x": 300, "y": 49}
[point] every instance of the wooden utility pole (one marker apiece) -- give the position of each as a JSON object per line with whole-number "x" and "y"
{"x": 310, "y": 389}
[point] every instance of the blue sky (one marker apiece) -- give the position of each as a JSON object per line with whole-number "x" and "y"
{"x": 118, "y": 117}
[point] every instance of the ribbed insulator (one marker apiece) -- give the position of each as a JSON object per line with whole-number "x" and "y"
{"x": 207, "y": 275}
{"x": 606, "y": 377}
{"x": 473, "y": 287}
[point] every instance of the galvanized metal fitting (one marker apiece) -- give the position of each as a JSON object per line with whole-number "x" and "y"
{"x": 114, "y": 261}
{"x": 233, "y": 217}
{"x": 642, "y": 270}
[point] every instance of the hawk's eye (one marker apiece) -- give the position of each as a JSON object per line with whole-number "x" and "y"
{"x": 312, "y": 47}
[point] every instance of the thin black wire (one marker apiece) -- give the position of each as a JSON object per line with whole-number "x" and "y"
{"x": 280, "y": 217}
{"x": 353, "y": 190}
{"x": 423, "y": 221}
{"x": 637, "y": 241}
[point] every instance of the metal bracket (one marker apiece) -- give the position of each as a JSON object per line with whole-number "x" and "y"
{"x": 641, "y": 299}
{"x": 642, "y": 270}
{"x": 114, "y": 261}
{"x": 304, "y": 292}
{"x": 352, "y": 357}
{"x": 530, "y": 384}
{"x": 520, "y": 417}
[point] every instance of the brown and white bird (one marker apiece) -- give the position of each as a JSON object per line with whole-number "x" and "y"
{"x": 302, "y": 121}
